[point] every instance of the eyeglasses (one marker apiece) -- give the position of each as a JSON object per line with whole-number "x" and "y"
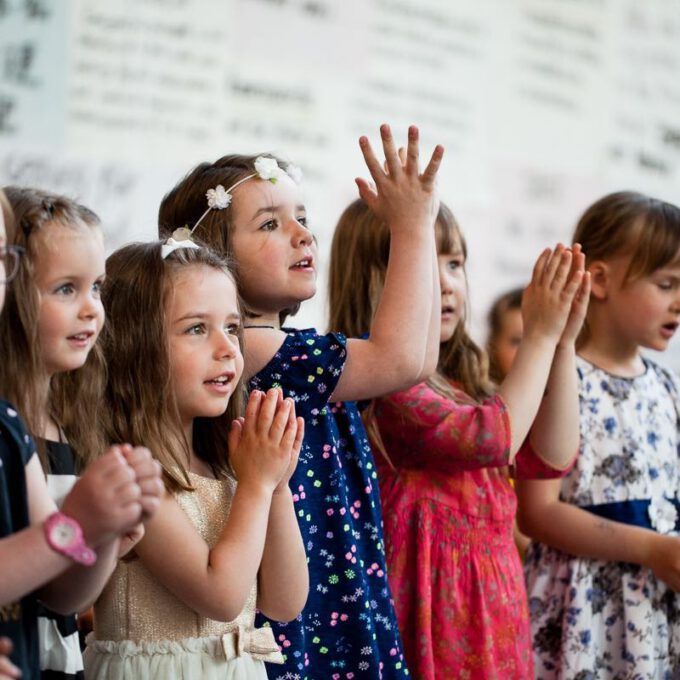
{"x": 10, "y": 257}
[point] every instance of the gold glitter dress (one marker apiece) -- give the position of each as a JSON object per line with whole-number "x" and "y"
{"x": 142, "y": 631}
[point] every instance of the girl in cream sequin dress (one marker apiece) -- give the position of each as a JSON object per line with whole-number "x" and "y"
{"x": 184, "y": 605}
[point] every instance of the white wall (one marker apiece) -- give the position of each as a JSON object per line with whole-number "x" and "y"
{"x": 542, "y": 105}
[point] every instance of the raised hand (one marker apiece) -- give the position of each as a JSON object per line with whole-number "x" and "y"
{"x": 579, "y": 306}
{"x": 401, "y": 196}
{"x": 106, "y": 500}
{"x": 148, "y": 477}
{"x": 261, "y": 445}
{"x": 548, "y": 299}
{"x": 295, "y": 452}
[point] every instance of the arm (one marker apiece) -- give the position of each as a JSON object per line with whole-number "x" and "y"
{"x": 393, "y": 357}
{"x": 546, "y": 304}
{"x": 543, "y": 516}
{"x": 434, "y": 327}
{"x": 215, "y": 582}
{"x": 555, "y": 432}
{"x": 104, "y": 501}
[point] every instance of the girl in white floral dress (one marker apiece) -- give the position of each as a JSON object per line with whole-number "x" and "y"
{"x": 603, "y": 574}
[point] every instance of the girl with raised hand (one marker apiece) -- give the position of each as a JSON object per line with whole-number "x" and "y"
{"x": 445, "y": 445}
{"x": 225, "y": 539}
{"x": 604, "y": 573}
{"x": 59, "y": 558}
{"x": 348, "y": 628}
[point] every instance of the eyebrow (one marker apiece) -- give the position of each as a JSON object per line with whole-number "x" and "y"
{"x": 274, "y": 208}
{"x": 203, "y": 315}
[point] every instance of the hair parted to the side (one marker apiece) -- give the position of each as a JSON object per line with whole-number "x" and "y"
{"x": 141, "y": 406}
{"x": 71, "y": 398}
{"x": 503, "y": 304}
{"x": 628, "y": 223}
{"x": 358, "y": 264}
{"x": 184, "y": 204}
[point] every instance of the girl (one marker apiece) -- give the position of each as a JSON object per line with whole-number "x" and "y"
{"x": 348, "y": 629}
{"x": 602, "y": 582}
{"x": 505, "y": 333}
{"x": 184, "y": 606}
{"x": 56, "y": 301}
{"x": 48, "y": 555}
{"x": 449, "y": 509}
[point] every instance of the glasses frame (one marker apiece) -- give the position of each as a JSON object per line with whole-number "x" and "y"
{"x": 11, "y": 255}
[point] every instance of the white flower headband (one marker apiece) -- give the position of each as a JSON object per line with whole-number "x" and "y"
{"x": 219, "y": 198}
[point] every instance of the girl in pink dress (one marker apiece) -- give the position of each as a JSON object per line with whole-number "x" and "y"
{"x": 446, "y": 447}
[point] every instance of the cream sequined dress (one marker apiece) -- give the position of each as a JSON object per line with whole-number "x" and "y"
{"x": 142, "y": 631}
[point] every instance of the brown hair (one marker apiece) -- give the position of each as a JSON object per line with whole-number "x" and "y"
{"x": 629, "y": 223}
{"x": 7, "y": 216}
{"x": 72, "y": 398}
{"x": 502, "y": 305}
{"x": 186, "y": 202}
{"x": 141, "y": 406}
{"x": 358, "y": 263}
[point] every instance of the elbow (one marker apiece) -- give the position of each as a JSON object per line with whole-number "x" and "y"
{"x": 283, "y": 611}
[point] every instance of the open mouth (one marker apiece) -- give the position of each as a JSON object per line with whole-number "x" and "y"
{"x": 305, "y": 263}
{"x": 221, "y": 380}
{"x": 448, "y": 310}
{"x": 81, "y": 337}
{"x": 669, "y": 328}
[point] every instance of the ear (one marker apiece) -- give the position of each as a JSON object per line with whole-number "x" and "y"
{"x": 600, "y": 279}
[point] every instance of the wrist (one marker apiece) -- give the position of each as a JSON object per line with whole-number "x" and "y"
{"x": 649, "y": 549}
{"x": 64, "y": 535}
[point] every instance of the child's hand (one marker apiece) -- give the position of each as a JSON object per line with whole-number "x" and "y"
{"x": 547, "y": 300}
{"x": 664, "y": 560}
{"x": 401, "y": 197}
{"x": 261, "y": 445}
{"x": 8, "y": 670}
{"x": 579, "y": 306}
{"x": 295, "y": 453}
{"x": 148, "y": 477}
{"x": 106, "y": 500}
{"x": 130, "y": 539}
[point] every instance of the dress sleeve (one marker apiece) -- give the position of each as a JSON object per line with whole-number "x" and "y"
{"x": 16, "y": 430}
{"x": 421, "y": 429}
{"x": 529, "y": 465}
{"x": 306, "y": 367}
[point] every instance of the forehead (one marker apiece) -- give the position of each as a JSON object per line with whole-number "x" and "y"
{"x": 257, "y": 193}
{"x": 199, "y": 285}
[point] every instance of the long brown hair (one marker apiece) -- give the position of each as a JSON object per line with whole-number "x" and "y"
{"x": 358, "y": 263}
{"x": 184, "y": 204}
{"x": 72, "y": 398}
{"x": 629, "y": 223}
{"x": 141, "y": 405}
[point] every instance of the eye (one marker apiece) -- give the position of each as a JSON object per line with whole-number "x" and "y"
{"x": 97, "y": 287}
{"x": 666, "y": 285}
{"x": 303, "y": 221}
{"x": 196, "y": 329}
{"x": 232, "y": 328}
{"x": 455, "y": 264}
{"x": 65, "y": 289}
{"x": 270, "y": 225}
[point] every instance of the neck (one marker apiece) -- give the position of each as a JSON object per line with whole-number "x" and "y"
{"x": 606, "y": 348}
{"x": 266, "y": 320}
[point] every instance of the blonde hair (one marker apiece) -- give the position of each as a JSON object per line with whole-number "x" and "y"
{"x": 629, "y": 223}
{"x": 358, "y": 263}
{"x": 141, "y": 405}
{"x": 184, "y": 204}
{"x": 72, "y": 398}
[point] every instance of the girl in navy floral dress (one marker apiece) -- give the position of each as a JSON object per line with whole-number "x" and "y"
{"x": 603, "y": 581}
{"x": 348, "y": 628}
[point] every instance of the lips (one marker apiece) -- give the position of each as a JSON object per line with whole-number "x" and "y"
{"x": 80, "y": 339}
{"x": 668, "y": 329}
{"x": 304, "y": 264}
{"x": 221, "y": 380}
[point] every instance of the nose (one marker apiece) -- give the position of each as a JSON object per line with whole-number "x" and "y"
{"x": 445, "y": 281}
{"x": 227, "y": 346}
{"x": 301, "y": 235}
{"x": 91, "y": 306}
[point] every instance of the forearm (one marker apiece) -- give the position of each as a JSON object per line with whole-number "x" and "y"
{"x": 431, "y": 357}
{"x": 583, "y": 534}
{"x": 555, "y": 432}
{"x": 524, "y": 387}
{"x": 77, "y": 589}
{"x": 283, "y": 577}
{"x": 405, "y": 306}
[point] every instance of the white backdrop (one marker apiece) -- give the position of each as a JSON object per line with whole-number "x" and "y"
{"x": 542, "y": 105}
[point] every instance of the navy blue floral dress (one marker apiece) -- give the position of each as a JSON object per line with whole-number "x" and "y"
{"x": 348, "y": 629}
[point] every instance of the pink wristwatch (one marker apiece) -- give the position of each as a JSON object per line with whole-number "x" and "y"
{"x": 64, "y": 535}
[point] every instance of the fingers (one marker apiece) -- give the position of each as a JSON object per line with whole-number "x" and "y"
{"x": 412, "y": 151}
{"x": 369, "y": 158}
{"x": 557, "y": 268}
{"x": 281, "y": 421}
{"x": 268, "y": 409}
{"x": 390, "y": 150}
{"x": 235, "y": 434}
{"x": 429, "y": 177}
{"x": 299, "y": 436}
{"x": 539, "y": 267}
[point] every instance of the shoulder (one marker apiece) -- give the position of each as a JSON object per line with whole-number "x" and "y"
{"x": 14, "y": 431}
{"x": 666, "y": 377}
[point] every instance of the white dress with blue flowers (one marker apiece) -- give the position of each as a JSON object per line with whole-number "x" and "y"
{"x": 596, "y": 620}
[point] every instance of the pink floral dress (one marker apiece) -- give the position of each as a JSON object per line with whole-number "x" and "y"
{"x": 448, "y": 511}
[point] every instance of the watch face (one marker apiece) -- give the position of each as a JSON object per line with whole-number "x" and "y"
{"x": 64, "y": 534}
